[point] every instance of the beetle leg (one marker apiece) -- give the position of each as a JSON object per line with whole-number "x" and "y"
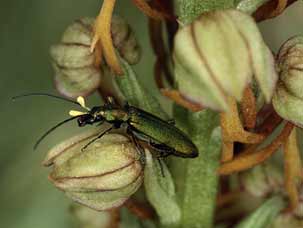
{"x": 100, "y": 123}
{"x": 171, "y": 121}
{"x": 162, "y": 149}
{"x": 137, "y": 144}
{"x": 98, "y": 137}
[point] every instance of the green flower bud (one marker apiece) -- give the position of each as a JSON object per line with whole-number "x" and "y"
{"x": 73, "y": 62}
{"x": 217, "y": 55}
{"x": 262, "y": 180}
{"x": 76, "y": 73}
{"x": 103, "y": 176}
{"x": 288, "y": 96}
{"x": 125, "y": 41}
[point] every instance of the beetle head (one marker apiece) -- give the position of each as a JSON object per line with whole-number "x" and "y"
{"x": 85, "y": 119}
{"x": 91, "y": 116}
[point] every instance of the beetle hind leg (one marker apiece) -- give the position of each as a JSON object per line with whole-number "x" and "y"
{"x": 162, "y": 149}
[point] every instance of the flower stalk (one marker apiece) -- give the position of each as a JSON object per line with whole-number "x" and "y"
{"x": 293, "y": 169}
{"x": 233, "y": 131}
{"x": 102, "y": 40}
{"x": 102, "y": 35}
{"x": 247, "y": 160}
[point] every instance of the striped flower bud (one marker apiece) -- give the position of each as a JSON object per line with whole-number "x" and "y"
{"x": 76, "y": 71}
{"x": 103, "y": 176}
{"x": 217, "y": 55}
{"x": 73, "y": 63}
{"x": 288, "y": 96}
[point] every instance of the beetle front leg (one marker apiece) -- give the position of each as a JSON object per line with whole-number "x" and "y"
{"x": 138, "y": 146}
{"x": 98, "y": 137}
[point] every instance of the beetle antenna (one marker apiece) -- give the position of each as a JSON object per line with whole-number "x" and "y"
{"x": 52, "y": 129}
{"x": 45, "y": 94}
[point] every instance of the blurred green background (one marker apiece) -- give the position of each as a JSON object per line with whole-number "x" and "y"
{"x": 28, "y": 28}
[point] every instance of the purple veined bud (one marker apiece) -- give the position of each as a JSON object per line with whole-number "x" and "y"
{"x": 218, "y": 54}
{"x": 101, "y": 177}
{"x": 288, "y": 96}
{"x": 76, "y": 72}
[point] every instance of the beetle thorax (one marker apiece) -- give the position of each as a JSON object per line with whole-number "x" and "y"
{"x": 114, "y": 115}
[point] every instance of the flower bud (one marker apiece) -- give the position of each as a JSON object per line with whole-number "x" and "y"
{"x": 76, "y": 73}
{"x": 288, "y": 96}
{"x": 125, "y": 41}
{"x": 73, "y": 62}
{"x": 217, "y": 55}
{"x": 103, "y": 176}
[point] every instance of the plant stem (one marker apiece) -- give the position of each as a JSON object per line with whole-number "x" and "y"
{"x": 195, "y": 179}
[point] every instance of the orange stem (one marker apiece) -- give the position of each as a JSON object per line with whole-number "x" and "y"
{"x": 279, "y": 8}
{"x": 114, "y": 218}
{"x": 141, "y": 210}
{"x": 176, "y": 96}
{"x": 160, "y": 67}
{"x": 98, "y": 56}
{"x": 227, "y": 150}
{"x": 248, "y": 160}
{"x": 232, "y": 128}
{"x": 150, "y": 12}
{"x": 248, "y": 108}
{"x": 269, "y": 124}
{"x": 265, "y": 10}
{"x": 103, "y": 34}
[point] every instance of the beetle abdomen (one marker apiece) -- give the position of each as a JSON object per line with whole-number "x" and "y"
{"x": 161, "y": 132}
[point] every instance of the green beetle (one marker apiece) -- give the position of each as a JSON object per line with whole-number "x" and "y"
{"x": 160, "y": 135}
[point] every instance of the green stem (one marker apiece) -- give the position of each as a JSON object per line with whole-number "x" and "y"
{"x": 196, "y": 179}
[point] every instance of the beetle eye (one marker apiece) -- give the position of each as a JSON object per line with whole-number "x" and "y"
{"x": 81, "y": 123}
{"x": 99, "y": 118}
{"x": 83, "y": 120}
